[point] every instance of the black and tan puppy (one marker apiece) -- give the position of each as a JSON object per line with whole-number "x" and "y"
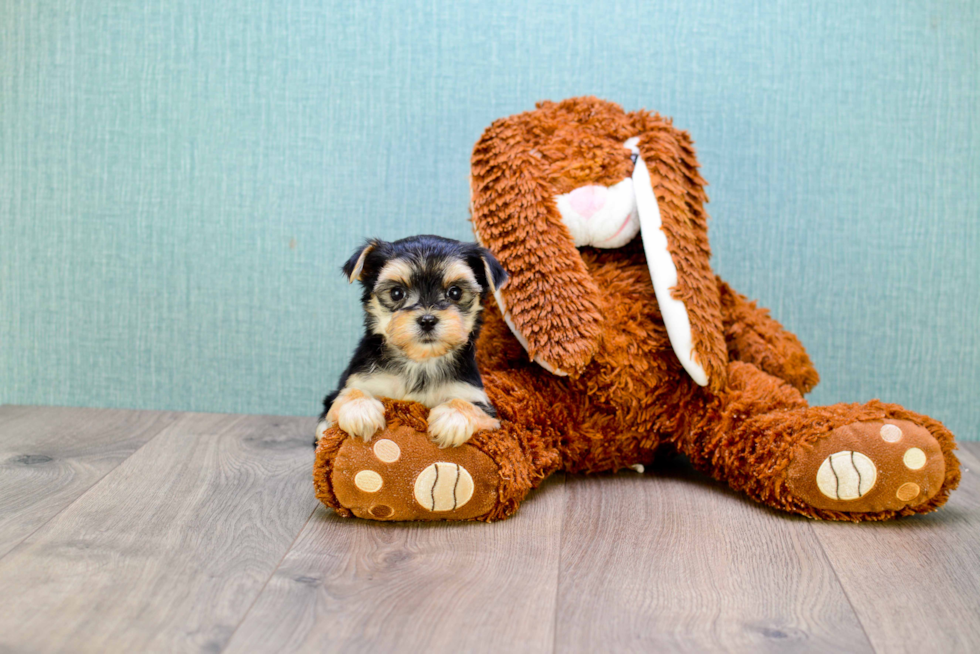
{"x": 422, "y": 300}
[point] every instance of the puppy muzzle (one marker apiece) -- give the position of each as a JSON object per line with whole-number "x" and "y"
{"x": 427, "y": 323}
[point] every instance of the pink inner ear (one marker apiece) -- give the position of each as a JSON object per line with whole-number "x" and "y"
{"x": 587, "y": 200}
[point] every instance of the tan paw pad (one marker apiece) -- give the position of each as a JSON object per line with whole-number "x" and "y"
{"x": 382, "y": 511}
{"x": 914, "y": 459}
{"x": 394, "y": 477}
{"x": 866, "y": 467}
{"x": 368, "y": 481}
{"x": 443, "y": 487}
{"x": 890, "y": 433}
{"x": 907, "y": 491}
{"x": 846, "y": 475}
{"x": 387, "y": 450}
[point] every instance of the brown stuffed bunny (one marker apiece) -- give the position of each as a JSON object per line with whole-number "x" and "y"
{"x": 614, "y": 339}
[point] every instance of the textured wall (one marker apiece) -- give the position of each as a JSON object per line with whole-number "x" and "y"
{"x": 179, "y": 181}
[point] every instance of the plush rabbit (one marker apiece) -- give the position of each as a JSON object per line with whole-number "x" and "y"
{"x": 613, "y": 340}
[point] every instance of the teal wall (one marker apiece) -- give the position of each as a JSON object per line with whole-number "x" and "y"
{"x": 179, "y": 181}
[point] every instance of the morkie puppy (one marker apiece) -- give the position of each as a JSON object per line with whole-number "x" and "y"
{"x": 422, "y": 300}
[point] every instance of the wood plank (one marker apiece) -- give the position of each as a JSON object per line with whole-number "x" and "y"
{"x": 170, "y": 549}
{"x": 358, "y": 586}
{"x": 671, "y": 561}
{"x": 49, "y": 456}
{"x": 915, "y": 583}
{"x": 11, "y": 411}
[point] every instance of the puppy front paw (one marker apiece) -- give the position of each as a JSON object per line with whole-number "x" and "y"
{"x": 361, "y": 416}
{"x": 451, "y": 424}
{"x": 321, "y": 429}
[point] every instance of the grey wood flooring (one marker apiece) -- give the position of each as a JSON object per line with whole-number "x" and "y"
{"x": 141, "y": 531}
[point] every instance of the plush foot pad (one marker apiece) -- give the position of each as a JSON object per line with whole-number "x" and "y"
{"x": 401, "y": 475}
{"x": 868, "y": 467}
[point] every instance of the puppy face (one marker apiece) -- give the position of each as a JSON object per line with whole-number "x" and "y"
{"x": 423, "y": 294}
{"x": 425, "y": 307}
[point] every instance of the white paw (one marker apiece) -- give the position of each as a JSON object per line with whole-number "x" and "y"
{"x": 362, "y": 417}
{"x": 451, "y": 426}
{"x": 321, "y": 428}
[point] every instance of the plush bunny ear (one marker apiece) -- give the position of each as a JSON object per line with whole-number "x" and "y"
{"x": 551, "y": 302}
{"x": 675, "y": 239}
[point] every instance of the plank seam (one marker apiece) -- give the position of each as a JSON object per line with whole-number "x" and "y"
{"x": 561, "y": 558}
{"x": 843, "y": 588}
{"x": 271, "y": 575}
{"x": 969, "y": 447}
{"x": 173, "y": 418}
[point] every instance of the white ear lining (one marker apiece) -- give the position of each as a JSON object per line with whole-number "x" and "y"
{"x": 662, "y": 269}
{"x": 520, "y": 337}
{"x": 499, "y": 297}
{"x": 663, "y": 272}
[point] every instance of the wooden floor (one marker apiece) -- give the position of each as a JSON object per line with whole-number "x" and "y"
{"x": 133, "y": 531}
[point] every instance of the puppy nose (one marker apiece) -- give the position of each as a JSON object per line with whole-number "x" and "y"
{"x": 428, "y": 322}
{"x": 587, "y": 200}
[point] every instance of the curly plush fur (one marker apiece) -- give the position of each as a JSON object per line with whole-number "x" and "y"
{"x": 584, "y": 377}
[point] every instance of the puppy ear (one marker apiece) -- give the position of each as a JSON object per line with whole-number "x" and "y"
{"x": 354, "y": 268}
{"x": 488, "y": 271}
{"x": 496, "y": 275}
{"x": 691, "y": 306}
{"x": 551, "y": 302}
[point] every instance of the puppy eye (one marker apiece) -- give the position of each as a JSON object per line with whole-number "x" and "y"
{"x": 397, "y": 294}
{"x": 454, "y": 293}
